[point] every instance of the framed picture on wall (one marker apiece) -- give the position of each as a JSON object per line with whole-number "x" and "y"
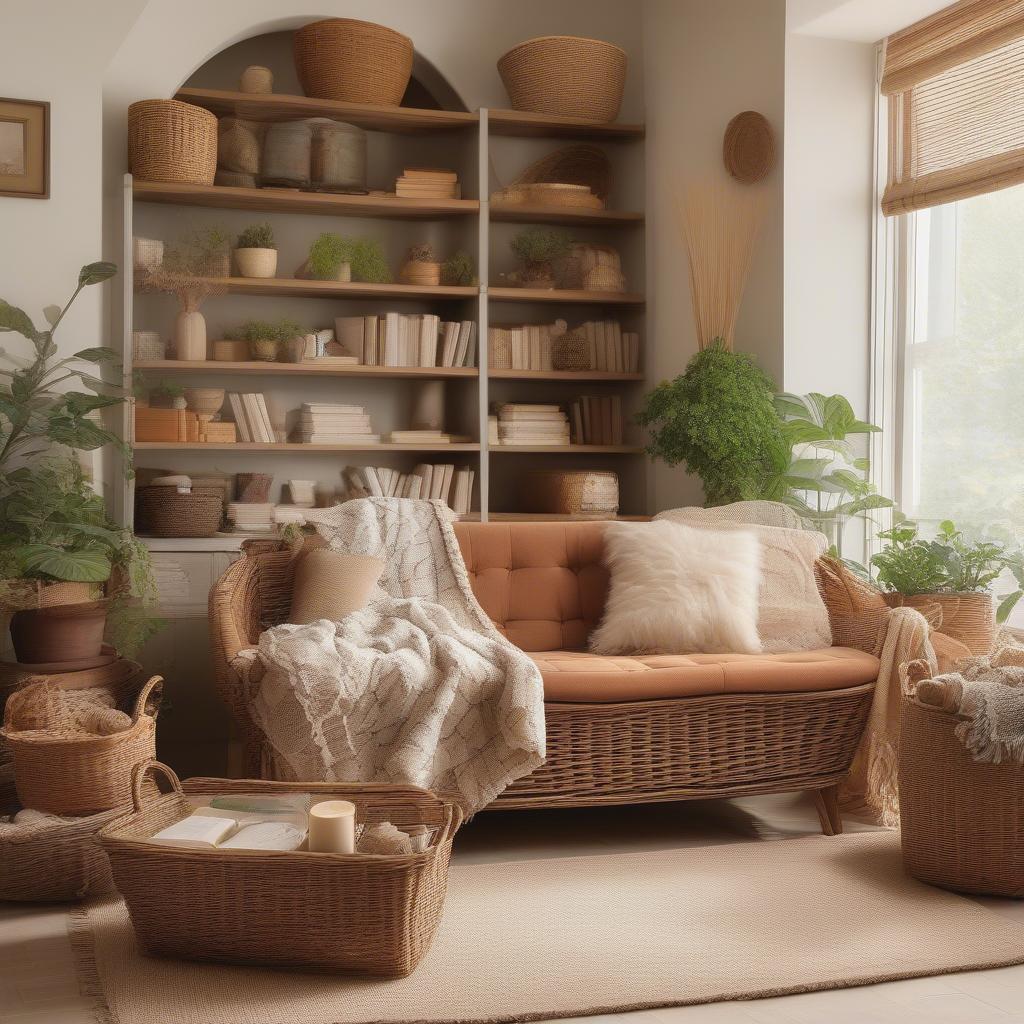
{"x": 25, "y": 149}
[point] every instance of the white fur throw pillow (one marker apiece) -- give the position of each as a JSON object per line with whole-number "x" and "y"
{"x": 676, "y": 590}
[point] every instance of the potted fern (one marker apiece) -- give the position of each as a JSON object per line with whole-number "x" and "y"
{"x": 334, "y": 257}
{"x": 267, "y": 338}
{"x": 256, "y": 251}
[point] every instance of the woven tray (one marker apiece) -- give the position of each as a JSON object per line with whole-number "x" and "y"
{"x": 363, "y": 913}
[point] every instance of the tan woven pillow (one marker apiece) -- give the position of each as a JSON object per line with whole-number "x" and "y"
{"x": 857, "y": 611}
{"x": 330, "y": 585}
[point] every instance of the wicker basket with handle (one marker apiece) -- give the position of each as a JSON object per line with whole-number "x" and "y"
{"x": 372, "y": 914}
{"x": 969, "y": 618}
{"x": 962, "y": 822}
{"x": 76, "y": 774}
{"x": 172, "y": 141}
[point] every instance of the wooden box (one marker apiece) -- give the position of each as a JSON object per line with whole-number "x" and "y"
{"x": 167, "y": 425}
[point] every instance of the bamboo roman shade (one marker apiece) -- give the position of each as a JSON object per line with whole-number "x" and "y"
{"x": 955, "y": 85}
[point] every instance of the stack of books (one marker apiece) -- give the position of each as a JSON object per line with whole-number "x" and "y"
{"x": 407, "y": 339}
{"x": 451, "y": 485}
{"x": 519, "y": 423}
{"x": 597, "y": 420}
{"x": 423, "y": 437}
{"x": 611, "y": 349}
{"x": 428, "y": 183}
{"x": 322, "y": 423}
{"x": 252, "y": 418}
{"x": 528, "y": 347}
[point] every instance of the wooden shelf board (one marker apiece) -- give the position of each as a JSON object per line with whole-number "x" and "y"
{"x": 569, "y": 295}
{"x": 570, "y": 375}
{"x": 565, "y": 449}
{"x": 292, "y": 447}
{"x": 558, "y": 517}
{"x": 288, "y": 286}
{"x": 284, "y": 107}
{"x": 214, "y": 366}
{"x": 564, "y": 215}
{"x": 283, "y": 200}
{"x": 550, "y": 126}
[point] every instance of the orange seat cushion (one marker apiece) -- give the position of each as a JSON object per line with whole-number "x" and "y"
{"x": 581, "y": 677}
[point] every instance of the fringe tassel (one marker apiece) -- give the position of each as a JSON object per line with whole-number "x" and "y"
{"x": 83, "y": 947}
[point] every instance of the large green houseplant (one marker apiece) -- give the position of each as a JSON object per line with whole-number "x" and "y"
{"x": 56, "y": 528}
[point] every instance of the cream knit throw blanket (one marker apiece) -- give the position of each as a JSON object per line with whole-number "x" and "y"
{"x": 418, "y": 687}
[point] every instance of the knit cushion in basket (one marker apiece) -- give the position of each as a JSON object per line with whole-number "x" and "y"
{"x": 675, "y": 589}
{"x": 330, "y": 585}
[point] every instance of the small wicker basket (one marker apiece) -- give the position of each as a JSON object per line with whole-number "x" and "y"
{"x": 565, "y": 76}
{"x": 76, "y": 775}
{"x": 571, "y": 352}
{"x": 573, "y": 492}
{"x": 165, "y": 512}
{"x": 962, "y": 822}
{"x": 172, "y": 141}
{"x": 374, "y": 914}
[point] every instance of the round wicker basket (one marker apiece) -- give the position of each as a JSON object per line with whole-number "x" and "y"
{"x": 354, "y": 61}
{"x": 566, "y": 76}
{"x": 164, "y": 512}
{"x": 961, "y": 821}
{"x": 969, "y": 618}
{"x": 573, "y": 492}
{"x": 172, "y": 141}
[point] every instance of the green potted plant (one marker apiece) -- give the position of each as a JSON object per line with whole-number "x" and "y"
{"x": 334, "y": 257}
{"x": 422, "y": 266}
{"x": 538, "y": 248}
{"x": 266, "y": 338}
{"x": 59, "y": 548}
{"x": 953, "y": 572}
{"x": 168, "y": 395}
{"x": 458, "y": 270}
{"x": 256, "y": 251}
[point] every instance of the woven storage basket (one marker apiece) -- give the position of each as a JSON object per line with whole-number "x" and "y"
{"x": 566, "y": 76}
{"x": 962, "y": 822}
{"x": 550, "y": 193}
{"x": 576, "y": 164}
{"x": 571, "y": 351}
{"x": 172, "y": 141}
{"x": 373, "y": 914}
{"x": 573, "y": 492}
{"x": 354, "y": 61}
{"x": 337, "y": 161}
{"x": 286, "y": 154}
{"x": 164, "y": 512}
{"x": 969, "y": 618}
{"x": 75, "y": 775}
{"x": 239, "y": 145}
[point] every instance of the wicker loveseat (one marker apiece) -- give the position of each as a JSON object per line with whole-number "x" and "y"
{"x": 619, "y": 730}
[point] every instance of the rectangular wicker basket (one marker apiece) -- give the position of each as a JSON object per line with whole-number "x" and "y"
{"x": 369, "y": 914}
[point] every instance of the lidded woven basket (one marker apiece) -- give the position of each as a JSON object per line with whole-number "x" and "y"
{"x": 353, "y": 61}
{"x": 567, "y": 76}
{"x": 172, "y": 141}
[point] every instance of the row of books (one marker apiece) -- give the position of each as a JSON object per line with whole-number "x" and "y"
{"x": 450, "y": 484}
{"x": 530, "y": 347}
{"x": 522, "y": 423}
{"x": 597, "y": 420}
{"x": 428, "y": 183}
{"x": 324, "y": 423}
{"x": 407, "y": 339}
{"x": 252, "y": 419}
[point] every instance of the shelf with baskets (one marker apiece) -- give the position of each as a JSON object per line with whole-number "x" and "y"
{"x": 213, "y": 366}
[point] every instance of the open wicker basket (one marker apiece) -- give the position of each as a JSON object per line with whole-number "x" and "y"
{"x": 962, "y": 821}
{"x": 172, "y": 141}
{"x": 373, "y": 914}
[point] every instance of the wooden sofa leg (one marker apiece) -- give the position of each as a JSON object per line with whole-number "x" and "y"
{"x": 827, "y": 802}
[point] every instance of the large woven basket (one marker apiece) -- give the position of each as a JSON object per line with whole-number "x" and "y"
{"x": 76, "y": 775}
{"x": 372, "y": 914}
{"x": 962, "y": 822}
{"x": 353, "y": 61}
{"x": 572, "y": 492}
{"x": 566, "y": 76}
{"x": 172, "y": 141}
{"x": 969, "y": 618}
{"x": 164, "y": 512}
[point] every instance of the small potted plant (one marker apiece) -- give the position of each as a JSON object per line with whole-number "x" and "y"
{"x": 422, "y": 266}
{"x": 537, "y": 249}
{"x": 334, "y": 257}
{"x": 458, "y": 270}
{"x": 952, "y": 572}
{"x": 267, "y": 339}
{"x": 256, "y": 251}
{"x": 167, "y": 395}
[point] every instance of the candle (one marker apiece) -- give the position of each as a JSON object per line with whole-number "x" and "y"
{"x": 332, "y": 827}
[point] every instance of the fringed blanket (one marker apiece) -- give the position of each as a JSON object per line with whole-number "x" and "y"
{"x": 418, "y": 687}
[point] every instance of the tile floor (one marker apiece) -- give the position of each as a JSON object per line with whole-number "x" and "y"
{"x": 37, "y": 982}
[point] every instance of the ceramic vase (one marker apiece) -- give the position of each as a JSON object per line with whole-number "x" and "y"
{"x": 190, "y": 336}
{"x": 257, "y": 79}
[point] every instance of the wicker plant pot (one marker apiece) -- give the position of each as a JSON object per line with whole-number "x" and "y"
{"x": 421, "y": 272}
{"x": 354, "y": 61}
{"x": 573, "y": 492}
{"x": 256, "y": 262}
{"x": 376, "y": 914}
{"x": 962, "y": 822}
{"x": 969, "y": 618}
{"x": 172, "y": 141}
{"x": 165, "y": 512}
{"x": 566, "y": 76}
{"x": 75, "y": 775}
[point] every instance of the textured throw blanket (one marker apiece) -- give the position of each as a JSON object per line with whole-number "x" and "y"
{"x": 418, "y": 687}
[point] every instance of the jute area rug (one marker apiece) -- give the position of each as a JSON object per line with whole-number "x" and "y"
{"x": 587, "y": 935}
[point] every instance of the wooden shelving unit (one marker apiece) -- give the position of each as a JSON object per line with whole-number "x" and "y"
{"x": 472, "y": 385}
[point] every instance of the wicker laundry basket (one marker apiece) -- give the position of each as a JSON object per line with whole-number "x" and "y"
{"x": 969, "y": 618}
{"x": 566, "y": 76}
{"x": 962, "y": 822}
{"x": 373, "y": 914}
{"x": 353, "y": 61}
{"x": 76, "y": 775}
{"x": 172, "y": 141}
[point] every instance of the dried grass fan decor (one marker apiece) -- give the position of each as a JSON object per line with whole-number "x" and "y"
{"x": 719, "y": 225}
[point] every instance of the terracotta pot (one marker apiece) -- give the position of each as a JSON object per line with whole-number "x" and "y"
{"x": 190, "y": 336}
{"x": 63, "y": 633}
{"x": 256, "y": 262}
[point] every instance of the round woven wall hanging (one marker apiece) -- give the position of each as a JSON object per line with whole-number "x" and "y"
{"x": 748, "y": 148}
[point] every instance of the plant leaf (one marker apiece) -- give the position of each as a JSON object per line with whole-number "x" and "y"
{"x": 52, "y": 314}
{"x": 78, "y": 566}
{"x": 95, "y": 273}
{"x": 78, "y": 403}
{"x": 17, "y": 320}
{"x": 1007, "y": 604}
{"x": 100, "y": 354}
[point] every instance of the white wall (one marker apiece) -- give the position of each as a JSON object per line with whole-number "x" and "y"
{"x": 704, "y": 63}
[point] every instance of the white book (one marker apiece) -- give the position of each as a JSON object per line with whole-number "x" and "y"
{"x": 590, "y": 330}
{"x": 470, "y": 358}
{"x": 451, "y": 340}
{"x": 373, "y": 481}
{"x": 426, "y": 474}
{"x": 320, "y": 437}
{"x": 317, "y": 407}
{"x": 392, "y": 322}
{"x": 268, "y": 427}
{"x": 370, "y": 356}
{"x": 414, "y": 486}
{"x": 196, "y": 832}
{"x": 447, "y": 472}
{"x": 266, "y": 835}
{"x": 255, "y": 420}
{"x": 462, "y": 346}
{"x": 239, "y": 414}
